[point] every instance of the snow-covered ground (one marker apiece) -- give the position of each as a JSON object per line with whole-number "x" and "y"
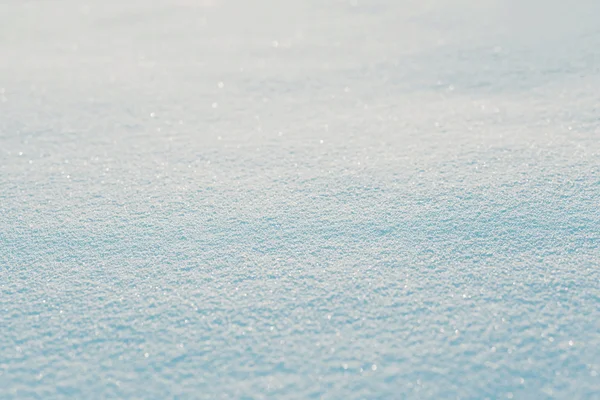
{"x": 329, "y": 199}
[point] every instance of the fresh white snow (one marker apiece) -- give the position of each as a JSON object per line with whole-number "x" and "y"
{"x": 231, "y": 199}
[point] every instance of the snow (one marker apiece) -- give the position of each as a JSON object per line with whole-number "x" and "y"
{"x": 299, "y": 199}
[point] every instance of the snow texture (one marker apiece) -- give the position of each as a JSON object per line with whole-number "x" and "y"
{"x": 331, "y": 199}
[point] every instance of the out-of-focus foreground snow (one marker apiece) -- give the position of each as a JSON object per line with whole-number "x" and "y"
{"x": 299, "y": 199}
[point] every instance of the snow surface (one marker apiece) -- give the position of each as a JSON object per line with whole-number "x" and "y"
{"x": 299, "y": 199}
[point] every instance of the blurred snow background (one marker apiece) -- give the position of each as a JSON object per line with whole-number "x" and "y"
{"x": 299, "y": 199}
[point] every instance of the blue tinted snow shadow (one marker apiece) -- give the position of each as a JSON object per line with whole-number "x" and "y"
{"x": 463, "y": 294}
